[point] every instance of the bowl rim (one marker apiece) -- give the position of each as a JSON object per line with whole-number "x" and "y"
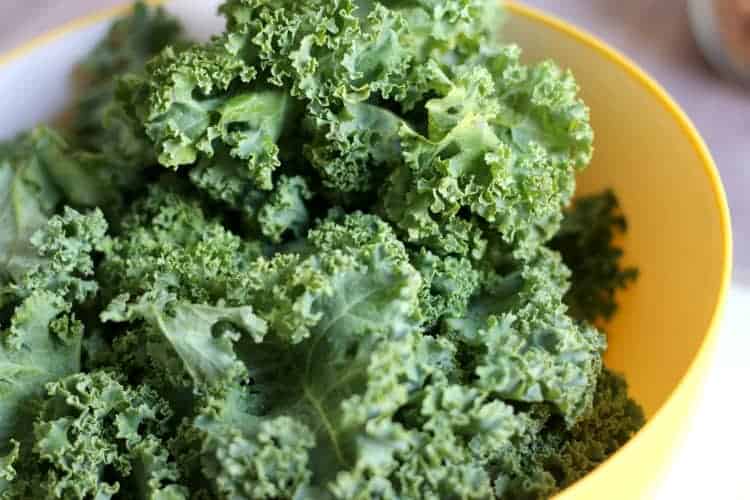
{"x": 696, "y": 370}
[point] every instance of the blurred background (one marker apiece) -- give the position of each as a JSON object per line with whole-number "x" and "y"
{"x": 657, "y": 35}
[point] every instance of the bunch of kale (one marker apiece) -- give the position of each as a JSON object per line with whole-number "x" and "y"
{"x": 351, "y": 284}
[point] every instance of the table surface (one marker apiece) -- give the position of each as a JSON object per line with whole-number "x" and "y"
{"x": 656, "y": 34}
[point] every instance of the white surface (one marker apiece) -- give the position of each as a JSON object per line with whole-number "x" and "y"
{"x": 711, "y": 463}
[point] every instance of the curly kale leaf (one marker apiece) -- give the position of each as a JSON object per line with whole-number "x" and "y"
{"x": 321, "y": 49}
{"x": 339, "y": 432}
{"x": 341, "y": 231}
{"x": 37, "y": 348}
{"x": 323, "y": 382}
{"x": 94, "y": 437}
{"x": 270, "y": 460}
{"x": 191, "y": 339}
{"x": 226, "y": 180}
{"x": 42, "y": 341}
{"x": 276, "y": 215}
{"x": 195, "y": 100}
{"x": 38, "y": 173}
{"x": 522, "y": 345}
{"x": 353, "y": 276}
{"x": 131, "y": 41}
{"x": 28, "y": 198}
{"x": 347, "y": 144}
{"x": 440, "y": 455}
{"x": 285, "y": 211}
{"x": 352, "y": 50}
{"x": 478, "y": 158}
{"x": 167, "y": 241}
{"x": 63, "y": 266}
{"x": 543, "y": 358}
{"x": 344, "y": 57}
{"x": 169, "y": 264}
{"x": 65, "y": 248}
{"x": 448, "y": 285}
{"x": 540, "y": 104}
{"x": 587, "y": 243}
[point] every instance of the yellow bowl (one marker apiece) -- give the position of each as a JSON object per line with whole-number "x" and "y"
{"x": 679, "y": 237}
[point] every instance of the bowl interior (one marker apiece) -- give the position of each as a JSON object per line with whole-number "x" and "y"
{"x": 645, "y": 150}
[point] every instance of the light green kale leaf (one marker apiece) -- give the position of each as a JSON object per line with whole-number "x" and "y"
{"x": 196, "y": 100}
{"x": 190, "y": 339}
{"x": 448, "y": 284}
{"x": 65, "y": 247}
{"x": 43, "y": 340}
{"x": 285, "y": 211}
{"x": 249, "y": 457}
{"x": 352, "y": 264}
{"x": 167, "y": 241}
{"x": 353, "y": 149}
{"x": 349, "y": 50}
{"x": 95, "y": 436}
{"x": 345, "y": 58}
{"x": 37, "y": 173}
{"x": 521, "y": 344}
{"x": 478, "y": 160}
{"x": 37, "y": 348}
{"x": 28, "y": 197}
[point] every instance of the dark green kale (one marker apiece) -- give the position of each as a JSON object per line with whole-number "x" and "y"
{"x": 587, "y": 241}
